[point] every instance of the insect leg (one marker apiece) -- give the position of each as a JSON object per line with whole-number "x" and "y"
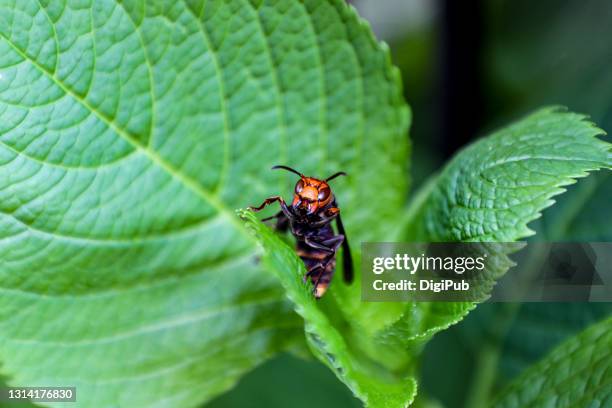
{"x": 330, "y": 245}
{"x": 327, "y": 217}
{"x": 282, "y": 222}
{"x": 316, "y": 284}
{"x": 315, "y": 274}
{"x": 334, "y": 242}
{"x": 278, "y": 214}
{"x": 271, "y": 200}
{"x": 312, "y": 271}
{"x": 321, "y": 283}
{"x": 320, "y": 273}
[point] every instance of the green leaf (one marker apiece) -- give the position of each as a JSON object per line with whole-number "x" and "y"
{"x": 368, "y": 380}
{"x": 538, "y": 327}
{"x": 582, "y": 214}
{"x": 575, "y": 374}
{"x": 129, "y": 132}
{"x": 493, "y": 188}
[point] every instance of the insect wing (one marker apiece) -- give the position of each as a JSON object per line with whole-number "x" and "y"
{"x": 347, "y": 259}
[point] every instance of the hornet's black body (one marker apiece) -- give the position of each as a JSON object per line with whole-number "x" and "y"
{"x": 309, "y": 218}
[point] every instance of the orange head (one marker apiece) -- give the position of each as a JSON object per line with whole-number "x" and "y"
{"x": 311, "y": 194}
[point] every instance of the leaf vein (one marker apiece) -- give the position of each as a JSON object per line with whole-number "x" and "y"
{"x": 152, "y": 155}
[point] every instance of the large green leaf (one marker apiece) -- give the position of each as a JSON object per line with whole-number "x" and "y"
{"x": 129, "y": 131}
{"x": 575, "y": 374}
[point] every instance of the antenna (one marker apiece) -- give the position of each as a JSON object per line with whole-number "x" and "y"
{"x": 333, "y": 176}
{"x": 288, "y": 169}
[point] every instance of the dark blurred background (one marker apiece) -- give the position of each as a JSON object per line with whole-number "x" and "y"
{"x": 469, "y": 67}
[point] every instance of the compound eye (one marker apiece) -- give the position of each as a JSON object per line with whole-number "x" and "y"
{"x": 299, "y": 186}
{"x": 323, "y": 194}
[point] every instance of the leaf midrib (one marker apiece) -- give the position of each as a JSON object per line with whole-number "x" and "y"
{"x": 152, "y": 155}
